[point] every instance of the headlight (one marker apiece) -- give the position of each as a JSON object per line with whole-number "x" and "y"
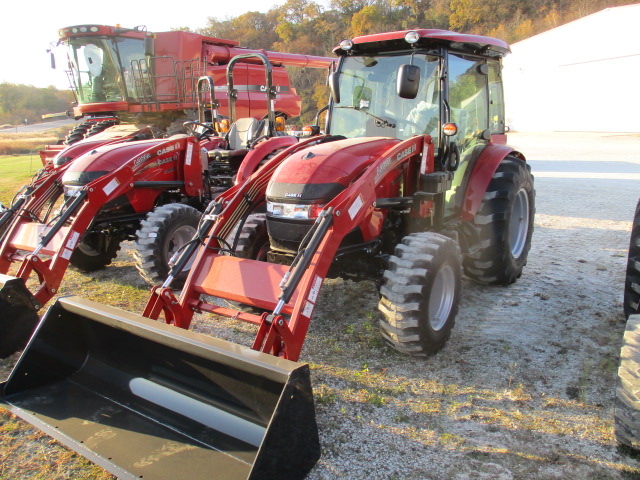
{"x": 72, "y": 190}
{"x": 290, "y": 210}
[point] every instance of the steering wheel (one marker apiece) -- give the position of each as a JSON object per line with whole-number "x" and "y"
{"x": 207, "y": 130}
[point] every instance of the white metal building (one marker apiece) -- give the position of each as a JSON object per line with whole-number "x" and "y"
{"x": 583, "y": 76}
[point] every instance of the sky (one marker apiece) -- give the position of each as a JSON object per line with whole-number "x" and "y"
{"x": 27, "y": 31}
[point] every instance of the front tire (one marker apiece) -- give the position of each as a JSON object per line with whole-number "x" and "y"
{"x": 420, "y": 295}
{"x": 503, "y": 226}
{"x": 165, "y": 230}
{"x": 627, "y": 405}
{"x": 632, "y": 279}
{"x": 94, "y": 252}
{"x": 253, "y": 241}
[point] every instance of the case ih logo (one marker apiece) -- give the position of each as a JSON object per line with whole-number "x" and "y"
{"x": 168, "y": 149}
{"x": 391, "y": 160}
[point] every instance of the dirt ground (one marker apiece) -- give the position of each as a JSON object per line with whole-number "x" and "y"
{"x": 525, "y": 387}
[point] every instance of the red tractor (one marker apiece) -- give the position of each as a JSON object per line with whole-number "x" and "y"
{"x": 411, "y": 185}
{"x": 152, "y": 191}
{"x": 134, "y": 76}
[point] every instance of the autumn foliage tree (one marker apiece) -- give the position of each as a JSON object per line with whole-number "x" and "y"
{"x": 304, "y": 26}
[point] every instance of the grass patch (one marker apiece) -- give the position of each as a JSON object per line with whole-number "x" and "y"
{"x": 16, "y": 171}
{"x": 30, "y": 142}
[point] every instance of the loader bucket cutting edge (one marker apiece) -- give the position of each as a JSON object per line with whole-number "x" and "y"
{"x": 147, "y": 400}
{"x": 18, "y": 315}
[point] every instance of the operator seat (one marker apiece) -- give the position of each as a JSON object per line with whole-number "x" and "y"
{"x": 224, "y": 164}
{"x": 241, "y": 133}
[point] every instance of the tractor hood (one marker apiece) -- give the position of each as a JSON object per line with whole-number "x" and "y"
{"x": 107, "y": 158}
{"x": 318, "y": 173}
{"x": 75, "y": 150}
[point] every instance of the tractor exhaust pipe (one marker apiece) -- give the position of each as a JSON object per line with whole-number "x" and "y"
{"x": 148, "y": 400}
{"x": 18, "y": 315}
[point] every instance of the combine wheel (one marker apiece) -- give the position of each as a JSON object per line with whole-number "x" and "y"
{"x": 627, "y": 407}
{"x": 504, "y": 225}
{"x": 177, "y": 127}
{"x": 165, "y": 230}
{"x": 77, "y": 133}
{"x": 420, "y": 294}
{"x": 632, "y": 280}
{"x": 100, "y": 127}
{"x": 95, "y": 251}
{"x": 253, "y": 241}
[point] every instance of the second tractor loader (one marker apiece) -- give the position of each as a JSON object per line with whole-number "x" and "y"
{"x": 152, "y": 191}
{"x": 411, "y": 185}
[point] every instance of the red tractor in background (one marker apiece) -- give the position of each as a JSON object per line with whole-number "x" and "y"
{"x": 134, "y": 76}
{"x": 411, "y": 186}
{"x": 152, "y": 190}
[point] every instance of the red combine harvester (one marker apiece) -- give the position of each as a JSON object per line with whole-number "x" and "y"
{"x": 144, "y": 78}
{"x": 411, "y": 185}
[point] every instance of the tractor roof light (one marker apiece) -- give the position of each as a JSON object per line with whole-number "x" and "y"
{"x": 280, "y": 124}
{"x": 346, "y": 45}
{"x": 412, "y": 37}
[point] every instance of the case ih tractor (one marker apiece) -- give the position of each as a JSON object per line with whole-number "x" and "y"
{"x": 134, "y": 76}
{"x": 411, "y": 185}
{"x": 152, "y": 191}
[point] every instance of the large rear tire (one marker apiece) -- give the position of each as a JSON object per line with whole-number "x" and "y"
{"x": 627, "y": 406}
{"x": 503, "y": 226}
{"x": 165, "y": 230}
{"x": 632, "y": 279}
{"x": 420, "y": 295}
{"x": 95, "y": 251}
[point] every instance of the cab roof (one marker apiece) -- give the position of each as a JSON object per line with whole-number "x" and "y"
{"x": 392, "y": 41}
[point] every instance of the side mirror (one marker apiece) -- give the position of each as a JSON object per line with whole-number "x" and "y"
{"x": 408, "y": 81}
{"x": 334, "y": 87}
{"x": 149, "y": 46}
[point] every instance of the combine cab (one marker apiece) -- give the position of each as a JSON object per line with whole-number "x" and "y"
{"x": 411, "y": 185}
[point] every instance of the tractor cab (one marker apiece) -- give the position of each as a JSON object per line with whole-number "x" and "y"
{"x": 424, "y": 82}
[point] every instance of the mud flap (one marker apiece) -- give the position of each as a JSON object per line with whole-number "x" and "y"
{"x": 18, "y": 315}
{"x": 148, "y": 400}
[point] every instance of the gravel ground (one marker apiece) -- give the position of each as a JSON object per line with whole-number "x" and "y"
{"x": 524, "y": 389}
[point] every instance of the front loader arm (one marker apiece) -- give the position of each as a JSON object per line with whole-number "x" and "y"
{"x": 62, "y": 236}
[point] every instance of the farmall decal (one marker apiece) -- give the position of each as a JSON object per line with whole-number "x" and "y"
{"x": 163, "y": 151}
{"x": 141, "y": 159}
{"x": 384, "y": 166}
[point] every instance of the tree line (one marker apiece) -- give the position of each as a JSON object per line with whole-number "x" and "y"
{"x": 304, "y": 26}
{"x": 25, "y": 102}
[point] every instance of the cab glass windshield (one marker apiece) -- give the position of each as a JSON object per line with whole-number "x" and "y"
{"x": 370, "y": 107}
{"x": 101, "y": 67}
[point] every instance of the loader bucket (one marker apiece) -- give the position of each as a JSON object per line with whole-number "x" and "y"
{"x": 18, "y": 315}
{"x": 148, "y": 400}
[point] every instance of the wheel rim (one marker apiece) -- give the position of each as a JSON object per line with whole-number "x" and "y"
{"x": 519, "y": 224}
{"x": 88, "y": 250}
{"x": 180, "y": 236}
{"x": 441, "y": 298}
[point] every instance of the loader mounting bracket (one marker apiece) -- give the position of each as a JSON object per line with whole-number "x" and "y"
{"x": 273, "y": 335}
